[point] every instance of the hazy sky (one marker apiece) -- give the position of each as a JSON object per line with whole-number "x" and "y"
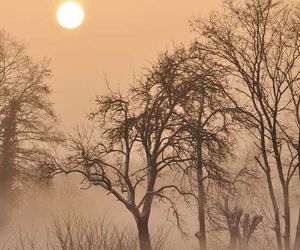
{"x": 116, "y": 40}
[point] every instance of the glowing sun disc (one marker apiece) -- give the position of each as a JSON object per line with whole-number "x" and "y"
{"x": 70, "y": 15}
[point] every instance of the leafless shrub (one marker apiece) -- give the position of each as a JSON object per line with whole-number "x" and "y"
{"x": 71, "y": 232}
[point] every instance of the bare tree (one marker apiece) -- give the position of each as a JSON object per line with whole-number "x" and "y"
{"x": 27, "y": 120}
{"x": 134, "y": 151}
{"x": 207, "y": 120}
{"x": 256, "y": 43}
{"x": 71, "y": 231}
{"x": 237, "y": 220}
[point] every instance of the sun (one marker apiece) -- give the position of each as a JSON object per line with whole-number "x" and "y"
{"x": 70, "y": 15}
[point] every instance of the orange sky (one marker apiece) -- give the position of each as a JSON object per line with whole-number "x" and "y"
{"x": 116, "y": 40}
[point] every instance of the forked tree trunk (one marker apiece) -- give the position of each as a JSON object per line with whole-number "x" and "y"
{"x": 249, "y": 227}
{"x": 233, "y": 225}
{"x": 233, "y": 218}
{"x": 144, "y": 235}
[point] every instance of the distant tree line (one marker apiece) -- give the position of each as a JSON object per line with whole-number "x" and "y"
{"x": 211, "y": 124}
{"x": 27, "y": 121}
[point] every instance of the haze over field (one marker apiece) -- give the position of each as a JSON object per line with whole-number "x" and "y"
{"x": 150, "y": 124}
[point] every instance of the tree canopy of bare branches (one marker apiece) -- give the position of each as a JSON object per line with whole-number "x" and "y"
{"x": 257, "y": 42}
{"x": 27, "y": 120}
{"x": 136, "y": 142}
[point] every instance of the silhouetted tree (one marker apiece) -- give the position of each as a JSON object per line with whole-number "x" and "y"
{"x": 207, "y": 118}
{"x": 256, "y": 42}
{"x": 134, "y": 151}
{"x": 27, "y": 121}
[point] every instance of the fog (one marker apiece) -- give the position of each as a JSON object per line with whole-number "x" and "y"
{"x": 234, "y": 176}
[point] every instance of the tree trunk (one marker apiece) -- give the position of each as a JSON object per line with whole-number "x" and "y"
{"x": 249, "y": 226}
{"x": 297, "y": 238}
{"x": 287, "y": 219}
{"x": 277, "y": 228}
{"x": 233, "y": 226}
{"x": 244, "y": 243}
{"x": 201, "y": 219}
{"x": 7, "y": 169}
{"x": 298, "y": 152}
{"x": 233, "y": 238}
{"x": 201, "y": 235}
{"x": 144, "y": 235}
{"x": 246, "y": 233}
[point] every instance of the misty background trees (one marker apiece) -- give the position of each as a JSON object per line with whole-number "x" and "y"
{"x": 27, "y": 121}
{"x": 258, "y": 44}
{"x": 210, "y": 126}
